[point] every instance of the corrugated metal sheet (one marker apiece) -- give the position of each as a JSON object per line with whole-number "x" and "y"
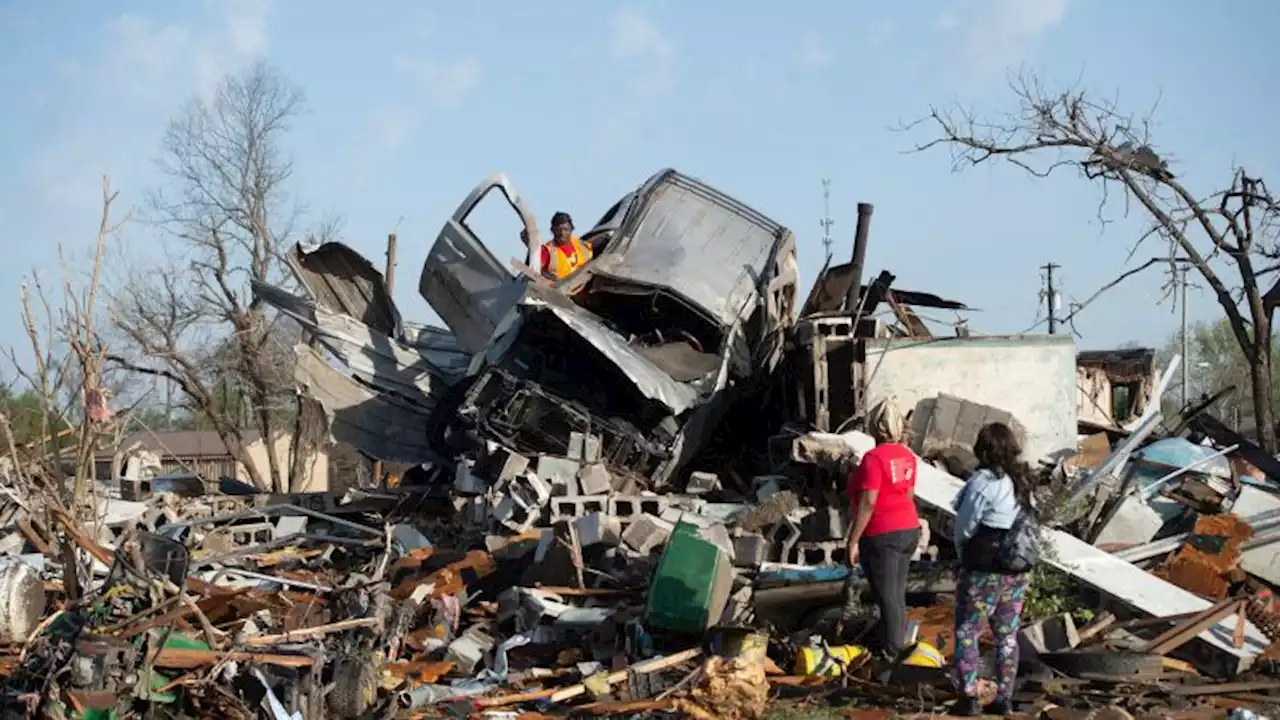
{"x": 420, "y": 372}
{"x": 342, "y": 280}
{"x": 379, "y": 425}
{"x": 700, "y": 243}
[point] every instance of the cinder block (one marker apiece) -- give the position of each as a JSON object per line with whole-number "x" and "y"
{"x": 701, "y": 483}
{"x": 571, "y": 508}
{"x": 598, "y": 529}
{"x": 751, "y": 550}
{"x": 532, "y": 491}
{"x": 1053, "y": 634}
{"x": 817, "y": 554}
{"x": 584, "y": 447}
{"x": 501, "y": 465}
{"x": 628, "y": 507}
{"x": 647, "y": 532}
{"x": 513, "y": 515}
{"x": 557, "y": 470}
{"x": 738, "y": 606}
{"x": 823, "y": 524}
{"x": 595, "y": 479}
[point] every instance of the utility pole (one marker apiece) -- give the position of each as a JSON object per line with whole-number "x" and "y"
{"x": 826, "y": 222}
{"x": 1186, "y": 356}
{"x": 1051, "y": 295}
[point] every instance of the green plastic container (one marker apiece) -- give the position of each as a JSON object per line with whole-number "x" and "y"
{"x": 692, "y": 584}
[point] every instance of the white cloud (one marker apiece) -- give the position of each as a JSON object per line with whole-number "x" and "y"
{"x": 814, "y": 51}
{"x": 999, "y": 34}
{"x": 635, "y": 38}
{"x": 444, "y": 83}
{"x": 882, "y": 32}
{"x": 163, "y": 62}
{"x": 946, "y": 21}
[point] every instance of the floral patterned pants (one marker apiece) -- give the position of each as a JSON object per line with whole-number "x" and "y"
{"x": 996, "y": 598}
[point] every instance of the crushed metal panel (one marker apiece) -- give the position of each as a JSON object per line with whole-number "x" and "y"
{"x": 697, "y": 242}
{"x": 651, "y": 381}
{"x": 415, "y": 372}
{"x": 342, "y": 280}
{"x": 378, "y": 425}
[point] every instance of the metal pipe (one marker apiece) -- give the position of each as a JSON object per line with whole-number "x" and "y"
{"x": 859, "y": 256}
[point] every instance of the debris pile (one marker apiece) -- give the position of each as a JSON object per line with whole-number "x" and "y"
{"x": 624, "y": 493}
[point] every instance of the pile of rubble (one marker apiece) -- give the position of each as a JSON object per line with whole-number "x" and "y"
{"x": 623, "y": 494}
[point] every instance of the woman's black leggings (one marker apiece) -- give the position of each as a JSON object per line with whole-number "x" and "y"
{"x": 886, "y": 559}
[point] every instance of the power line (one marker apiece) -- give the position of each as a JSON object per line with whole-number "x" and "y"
{"x": 826, "y": 222}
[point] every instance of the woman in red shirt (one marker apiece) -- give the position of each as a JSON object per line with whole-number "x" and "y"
{"x": 886, "y": 527}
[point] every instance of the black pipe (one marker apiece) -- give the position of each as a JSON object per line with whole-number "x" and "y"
{"x": 859, "y": 257}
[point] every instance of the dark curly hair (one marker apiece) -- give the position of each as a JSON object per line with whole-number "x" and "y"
{"x": 997, "y": 450}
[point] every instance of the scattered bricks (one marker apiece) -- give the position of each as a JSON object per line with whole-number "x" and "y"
{"x": 594, "y": 479}
{"x": 501, "y": 465}
{"x": 1053, "y": 634}
{"x": 467, "y": 482}
{"x": 701, "y": 483}
{"x": 567, "y": 508}
{"x": 468, "y": 651}
{"x": 750, "y": 550}
{"x": 584, "y": 447}
{"x": 833, "y": 552}
{"x": 646, "y": 532}
{"x": 628, "y": 507}
{"x": 825, "y": 524}
{"x": 598, "y": 529}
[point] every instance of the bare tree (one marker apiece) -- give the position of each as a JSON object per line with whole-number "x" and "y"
{"x": 1225, "y": 232}
{"x": 226, "y": 219}
{"x": 66, "y": 377}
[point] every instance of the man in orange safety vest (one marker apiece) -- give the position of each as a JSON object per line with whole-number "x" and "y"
{"x": 565, "y": 253}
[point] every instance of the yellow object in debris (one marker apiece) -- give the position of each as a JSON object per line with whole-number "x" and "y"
{"x": 925, "y": 655}
{"x": 827, "y": 660}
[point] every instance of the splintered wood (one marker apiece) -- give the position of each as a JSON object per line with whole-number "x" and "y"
{"x": 1204, "y": 563}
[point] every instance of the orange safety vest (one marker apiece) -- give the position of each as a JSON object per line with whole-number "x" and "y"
{"x": 562, "y": 264}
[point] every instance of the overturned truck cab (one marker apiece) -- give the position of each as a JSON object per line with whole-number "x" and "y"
{"x": 682, "y": 310}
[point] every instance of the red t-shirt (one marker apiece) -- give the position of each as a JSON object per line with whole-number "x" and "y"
{"x": 891, "y": 469}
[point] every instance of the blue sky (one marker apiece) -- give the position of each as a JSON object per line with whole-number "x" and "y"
{"x": 409, "y": 104}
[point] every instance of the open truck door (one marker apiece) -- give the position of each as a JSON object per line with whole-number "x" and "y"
{"x": 465, "y": 283}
